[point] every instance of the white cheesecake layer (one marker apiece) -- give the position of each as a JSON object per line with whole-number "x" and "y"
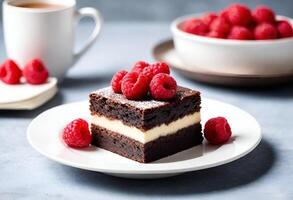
{"x": 143, "y": 137}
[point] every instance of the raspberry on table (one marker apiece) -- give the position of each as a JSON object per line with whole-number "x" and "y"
{"x": 265, "y": 31}
{"x": 217, "y": 130}
{"x": 163, "y": 87}
{"x": 135, "y": 86}
{"x": 285, "y": 29}
{"x": 208, "y": 18}
{"x": 76, "y": 134}
{"x": 195, "y": 26}
{"x": 139, "y": 66}
{"x": 240, "y": 33}
{"x": 239, "y": 14}
{"x": 263, "y": 14}
{"x": 2, "y": 71}
{"x": 10, "y": 73}
{"x": 35, "y": 72}
{"x": 156, "y": 68}
{"x": 116, "y": 81}
{"x": 220, "y": 25}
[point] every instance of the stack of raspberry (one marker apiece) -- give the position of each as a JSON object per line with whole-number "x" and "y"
{"x": 34, "y": 72}
{"x": 144, "y": 79}
{"x": 238, "y": 22}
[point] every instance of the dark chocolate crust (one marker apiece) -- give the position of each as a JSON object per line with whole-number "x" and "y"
{"x": 144, "y": 114}
{"x": 151, "y": 151}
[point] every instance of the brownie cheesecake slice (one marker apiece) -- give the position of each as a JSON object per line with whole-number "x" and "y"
{"x": 148, "y": 129}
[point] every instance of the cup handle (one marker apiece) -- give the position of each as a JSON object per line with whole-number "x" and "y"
{"x": 96, "y": 16}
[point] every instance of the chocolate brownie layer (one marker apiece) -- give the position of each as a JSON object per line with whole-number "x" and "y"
{"x": 144, "y": 114}
{"x": 151, "y": 151}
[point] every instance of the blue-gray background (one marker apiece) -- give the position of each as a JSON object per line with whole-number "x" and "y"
{"x": 266, "y": 173}
{"x": 166, "y": 10}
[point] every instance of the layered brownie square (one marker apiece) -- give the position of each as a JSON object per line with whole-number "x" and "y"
{"x": 145, "y": 130}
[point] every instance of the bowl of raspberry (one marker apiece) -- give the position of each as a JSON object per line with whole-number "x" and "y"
{"x": 237, "y": 39}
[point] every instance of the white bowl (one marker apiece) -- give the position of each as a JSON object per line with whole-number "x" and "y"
{"x": 234, "y": 56}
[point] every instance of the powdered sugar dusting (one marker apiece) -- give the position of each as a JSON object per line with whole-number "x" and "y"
{"x": 144, "y": 104}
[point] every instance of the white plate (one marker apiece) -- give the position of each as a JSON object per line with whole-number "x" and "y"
{"x": 24, "y": 91}
{"x": 31, "y": 103}
{"x": 44, "y": 134}
{"x": 26, "y": 96}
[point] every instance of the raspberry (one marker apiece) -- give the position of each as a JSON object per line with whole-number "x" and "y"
{"x": 239, "y": 14}
{"x": 252, "y": 25}
{"x": 116, "y": 81}
{"x": 215, "y": 34}
{"x": 284, "y": 29}
{"x": 135, "y": 86}
{"x": 195, "y": 26}
{"x": 76, "y": 134}
{"x": 139, "y": 66}
{"x": 263, "y": 14}
{"x": 156, "y": 68}
{"x": 35, "y": 72}
{"x": 10, "y": 73}
{"x": 220, "y": 25}
{"x": 208, "y": 18}
{"x": 265, "y": 31}
{"x": 217, "y": 130}
{"x": 240, "y": 33}
{"x": 2, "y": 71}
{"x": 224, "y": 14}
{"x": 163, "y": 87}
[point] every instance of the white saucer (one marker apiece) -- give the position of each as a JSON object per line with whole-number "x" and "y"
{"x": 44, "y": 134}
{"x": 25, "y": 96}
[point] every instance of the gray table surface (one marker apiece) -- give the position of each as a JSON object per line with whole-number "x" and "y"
{"x": 266, "y": 173}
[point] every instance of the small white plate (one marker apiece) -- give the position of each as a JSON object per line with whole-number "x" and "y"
{"x": 23, "y": 91}
{"x": 25, "y": 96}
{"x": 44, "y": 134}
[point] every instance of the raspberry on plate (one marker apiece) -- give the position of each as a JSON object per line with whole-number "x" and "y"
{"x": 135, "y": 86}
{"x": 35, "y": 72}
{"x": 220, "y": 25}
{"x": 139, "y": 66}
{"x": 265, "y": 31}
{"x": 217, "y": 130}
{"x": 285, "y": 29}
{"x": 76, "y": 134}
{"x": 10, "y": 73}
{"x": 240, "y": 33}
{"x": 156, "y": 68}
{"x": 163, "y": 87}
{"x": 263, "y": 14}
{"x": 195, "y": 26}
{"x": 239, "y": 14}
{"x": 2, "y": 71}
{"x": 208, "y": 18}
{"x": 116, "y": 81}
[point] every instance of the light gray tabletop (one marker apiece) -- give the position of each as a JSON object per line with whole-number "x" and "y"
{"x": 266, "y": 173}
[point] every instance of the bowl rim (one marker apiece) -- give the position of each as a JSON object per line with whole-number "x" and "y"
{"x": 177, "y": 31}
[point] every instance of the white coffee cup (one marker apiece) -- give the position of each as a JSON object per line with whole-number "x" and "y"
{"x": 46, "y": 33}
